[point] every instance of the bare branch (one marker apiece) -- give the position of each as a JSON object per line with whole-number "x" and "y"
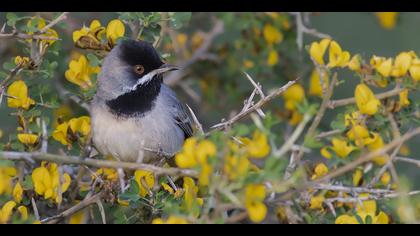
{"x": 96, "y": 163}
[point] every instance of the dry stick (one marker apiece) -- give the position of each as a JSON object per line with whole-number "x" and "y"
{"x": 328, "y": 133}
{"x": 292, "y": 139}
{"x": 258, "y": 105}
{"x": 57, "y": 20}
{"x": 73, "y": 210}
{"x": 96, "y": 163}
{"x": 365, "y": 158}
{"x": 20, "y": 35}
{"x": 173, "y": 78}
{"x": 369, "y": 156}
{"x": 347, "y": 189}
{"x": 196, "y": 121}
{"x": 408, "y": 160}
{"x": 370, "y": 197}
{"x": 301, "y": 28}
{"x": 347, "y": 101}
{"x": 317, "y": 119}
{"x": 390, "y": 165}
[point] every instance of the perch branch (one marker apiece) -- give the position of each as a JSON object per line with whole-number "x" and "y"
{"x": 38, "y": 156}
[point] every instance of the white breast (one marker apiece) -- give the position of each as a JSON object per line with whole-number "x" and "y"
{"x": 124, "y": 139}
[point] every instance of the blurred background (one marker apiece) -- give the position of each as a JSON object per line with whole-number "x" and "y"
{"x": 213, "y": 83}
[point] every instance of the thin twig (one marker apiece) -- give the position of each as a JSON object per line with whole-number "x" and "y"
{"x": 73, "y": 210}
{"x": 347, "y": 101}
{"x": 96, "y": 163}
{"x": 259, "y": 104}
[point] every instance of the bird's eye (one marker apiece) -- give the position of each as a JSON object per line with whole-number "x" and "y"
{"x": 139, "y": 69}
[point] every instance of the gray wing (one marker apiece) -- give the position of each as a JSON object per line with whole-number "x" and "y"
{"x": 178, "y": 111}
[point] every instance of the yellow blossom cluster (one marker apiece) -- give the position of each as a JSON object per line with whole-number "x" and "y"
{"x": 80, "y": 72}
{"x": 66, "y": 132}
{"x": 49, "y": 183}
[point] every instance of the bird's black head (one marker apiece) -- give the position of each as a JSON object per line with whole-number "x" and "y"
{"x": 141, "y": 56}
{"x": 131, "y": 77}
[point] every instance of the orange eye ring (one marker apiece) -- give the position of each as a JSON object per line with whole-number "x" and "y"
{"x": 139, "y": 69}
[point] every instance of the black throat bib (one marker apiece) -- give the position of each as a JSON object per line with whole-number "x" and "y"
{"x": 137, "y": 102}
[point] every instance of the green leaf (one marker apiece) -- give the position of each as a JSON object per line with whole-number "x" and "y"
{"x": 93, "y": 60}
{"x": 11, "y": 18}
{"x": 27, "y": 182}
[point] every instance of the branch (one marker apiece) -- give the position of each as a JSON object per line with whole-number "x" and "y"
{"x": 96, "y": 163}
{"x": 57, "y": 20}
{"x": 262, "y": 102}
{"x": 301, "y": 28}
{"x": 369, "y": 156}
{"x": 347, "y": 101}
{"x": 73, "y": 210}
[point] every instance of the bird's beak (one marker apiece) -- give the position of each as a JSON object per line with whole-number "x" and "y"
{"x": 165, "y": 68}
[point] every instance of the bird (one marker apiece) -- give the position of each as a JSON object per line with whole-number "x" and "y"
{"x": 135, "y": 117}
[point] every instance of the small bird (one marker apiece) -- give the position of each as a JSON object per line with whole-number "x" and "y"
{"x": 135, "y": 116}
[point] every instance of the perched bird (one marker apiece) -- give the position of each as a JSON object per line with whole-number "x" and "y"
{"x": 135, "y": 116}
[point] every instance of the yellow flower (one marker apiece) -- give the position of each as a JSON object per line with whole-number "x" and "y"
{"x": 248, "y": 64}
{"x": 294, "y": 95}
{"x": 317, "y": 50}
{"x": 95, "y": 31}
{"x": 258, "y": 147}
{"x": 367, "y": 209}
{"x": 60, "y": 133}
{"x": 337, "y": 57}
{"x": 181, "y": 39}
{"x": 78, "y": 218}
{"x": 382, "y": 65}
{"x": 145, "y": 180}
{"x": 402, "y": 64}
{"x": 46, "y": 180}
{"x": 176, "y": 220}
{"x": 22, "y": 60}
{"x": 50, "y": 32}
{"x": 366, "y": 100}
{"x": 190, "y": 194}
{"x": 186, "y": 158}
{"x": 18, "y": 193}
{"x": 6, "y": 175}
{"x": 6, "y": 211}
{"x": 115, "y": 30}
{"x": 325, "y": 153}
{"x": 315, "y": 88}
{"x": 108, "y": 173}
{"x": 254, "y": 202}
{"x": 316, "y": 202}
{"x": 296, "y": 118}
{"x": 80, "y": 125}
{"x": 360, "y": 134}
{"x": 341, "y": 147}
{"x": 236, "y": 166}
{"x": 357, "y": 177}
{"x": 404, "y": 98}
{"x": 196, "y": 40}
{"x": 273, "y": 58}
{"x": 354, "y": 63}
{"x": 272, "y": 35}
{"x": 319, "y": 171}
{"x": 80, "y": 72}
{"x": 377, "y": 144}
{"x": 28, "y": 139}
{"x": 1, "y": 133}
{"x": 353, "y": 118}
{"x": 415, "y": 69}
{"x": 18, "y": 95}
{"x": 387, "y": 19}
{"x": 386, "y": 178}
{"x": 23, "y": 211}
